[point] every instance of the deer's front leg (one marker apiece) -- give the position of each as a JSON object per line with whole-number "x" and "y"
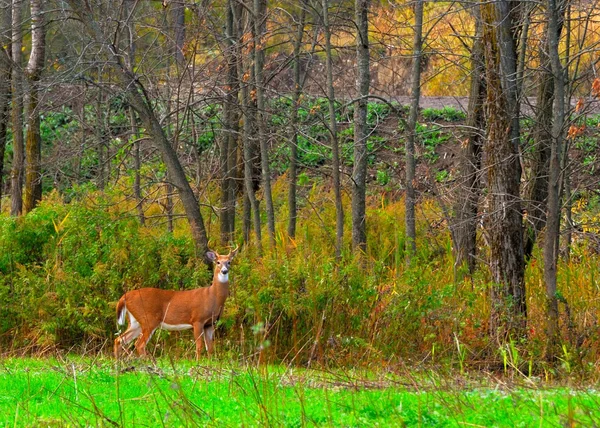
{"x": 198, "y": 331}
{"x": 209, "y": 334}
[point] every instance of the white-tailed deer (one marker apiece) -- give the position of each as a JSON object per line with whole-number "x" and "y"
{"x": 152, "y": 308}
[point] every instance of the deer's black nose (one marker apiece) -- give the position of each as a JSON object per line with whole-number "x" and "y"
{"x": 224, "y": 271}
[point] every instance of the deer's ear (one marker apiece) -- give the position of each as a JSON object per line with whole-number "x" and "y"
{"x": 211, "y": 255}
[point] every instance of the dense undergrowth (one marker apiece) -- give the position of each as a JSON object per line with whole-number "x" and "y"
{"x": 64, "y": 265}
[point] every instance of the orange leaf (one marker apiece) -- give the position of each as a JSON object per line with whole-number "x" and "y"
{"x": 596, "y": 87}
{"x": 575, "y": 131}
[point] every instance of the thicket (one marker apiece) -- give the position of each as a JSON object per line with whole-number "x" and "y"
{"x": 64, "y": 265}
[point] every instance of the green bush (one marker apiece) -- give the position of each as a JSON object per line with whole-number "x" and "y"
{"x": 447, "y": 113}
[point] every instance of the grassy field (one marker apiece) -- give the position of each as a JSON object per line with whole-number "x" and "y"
{"x": 96, "y": 392}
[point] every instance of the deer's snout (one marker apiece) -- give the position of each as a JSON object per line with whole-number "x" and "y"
{"x": 224, "y": 270}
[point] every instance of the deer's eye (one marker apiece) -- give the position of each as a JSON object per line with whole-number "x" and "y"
{"x": 218, "y": 263}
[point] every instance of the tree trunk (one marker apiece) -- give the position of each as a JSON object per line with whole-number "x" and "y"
{"x": 260, "y": 30}
{"x": 5, "y": 81}
{"x": 179, "y": 31}
{"x": 359, "y": 171}
{"x": 465, "y": 219}
{"x": 335, "y": 161}
{"x": 415, "y": 95}
{"x": 551, "y": 240}
{"x": 231, "y": 125}
{"x": 293, "y": 174}
{"x": 249, "y": 155}
{"x": 35, "y": 65}
{"x": 137, "y": 189}
{"x": 542, "y": 136}
{"x": 136, "y": 96}
{"x": 33, "y": 143}
{"x": 504, "y": 221}
{"x": 18, "y": 163}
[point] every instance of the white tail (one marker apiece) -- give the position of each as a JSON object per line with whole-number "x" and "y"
{"x": 198, "y": 309}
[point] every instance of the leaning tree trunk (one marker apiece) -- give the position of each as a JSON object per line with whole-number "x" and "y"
{"x": 465, "y": 217}
{"x": 335, "y": 151}
{"x": 504, "y": 219}
{"x": 136, "y": 96}
{"x": 18, "y": 163}
{"x": 415, "y": 95}
{"x": 359, "y": 171}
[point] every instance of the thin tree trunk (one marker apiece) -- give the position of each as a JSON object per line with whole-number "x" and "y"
{"x": 137, "y": 189}
{"x": 293, "y": 168}
{"x": 335, "y": 161}
{"x": 566, "y": 164}
{"x": 260, "y": 30}
{"x": 102, "y": 178}
{"x": 249, "y": 155}
{"x": 169, "y": 188}
{"x": 5, "y": 82}
{"x": 359, "y": 171}
{"x": 415, "y": 94}
{"x": 229, "y": 146}
{"x": 18, "y": 163}
{"x": 551, "y": 240}
{"x": 179, "y": 31}
{"x": 465, "y": 221}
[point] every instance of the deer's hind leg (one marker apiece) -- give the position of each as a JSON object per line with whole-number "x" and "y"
{"x": 125, "y": 339}
{"x": 147, "y": 332}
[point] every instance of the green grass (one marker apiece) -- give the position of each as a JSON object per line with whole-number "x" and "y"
{"x": 81, "y": 391}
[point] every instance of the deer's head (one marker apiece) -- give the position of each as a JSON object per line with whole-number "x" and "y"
{"x": 222, "y": 263}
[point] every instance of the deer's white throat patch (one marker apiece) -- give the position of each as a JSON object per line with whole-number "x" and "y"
{"x": 223, "y": 277}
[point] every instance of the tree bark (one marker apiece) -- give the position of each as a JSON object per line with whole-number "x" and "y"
{"x": 137, "y": 188}
{"x": 229, "y": 146}
{"x": 102, "y": 177}
{"x": 293, "y": 168}
{"x": 465, "y": 218}
{"x": 179, "y": 31}
{"x": 335, "y": 161}
{"x": 504, "y": 220}
{"x": 359, "y": 171}
{"x": 33, "y": 142}
{"x": 415, "y": 95}
{"x": 260, "y": 33}
{"x": 32, "y": 193}
{"x": 18, "y": 163}
{"x": 551, "y": 240}
{"x": 136, "y": 96}
{"x": 5, "y": 82}
{"x": 249, "y": 125}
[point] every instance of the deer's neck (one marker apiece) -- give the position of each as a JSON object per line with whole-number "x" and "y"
{"x": 220, "y": 286}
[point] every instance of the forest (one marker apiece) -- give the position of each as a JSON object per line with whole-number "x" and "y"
{"x": 409, "y": 184}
